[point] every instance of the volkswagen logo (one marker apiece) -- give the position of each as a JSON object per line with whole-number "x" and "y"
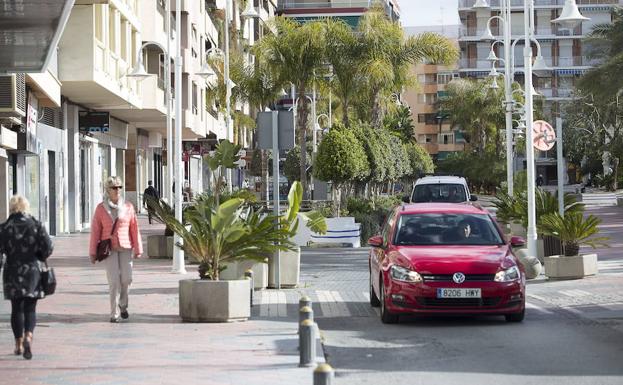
{"x": 458, "y": 277}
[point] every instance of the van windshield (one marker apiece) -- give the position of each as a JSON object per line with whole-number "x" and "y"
{"x": 440, "y": 192}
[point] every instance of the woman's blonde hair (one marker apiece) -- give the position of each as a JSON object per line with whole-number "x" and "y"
{"x": 18, "y": 204}
{"x": 111, "y": 181}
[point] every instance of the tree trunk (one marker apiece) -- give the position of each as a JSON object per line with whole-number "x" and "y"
{"x": 615, "y": 173}
{"x": 377, "y": 117}
{"x": 345, "y": 119}
{"x": 302, "y": 127}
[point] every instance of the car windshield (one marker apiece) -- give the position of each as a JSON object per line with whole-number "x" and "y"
{"x": 446, "y": 229}
{"x": 439, "y": 192}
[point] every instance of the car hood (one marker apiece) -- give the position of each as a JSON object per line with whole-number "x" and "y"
{"x": 452, "y": 259}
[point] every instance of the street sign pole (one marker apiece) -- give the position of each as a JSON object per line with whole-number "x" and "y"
{"x": 559, "y": 162}
{"x": 277, "y": 259}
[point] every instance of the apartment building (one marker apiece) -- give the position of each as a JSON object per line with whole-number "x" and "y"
{"x": 565, "y": 52}
{"x": 348, "y": 10}
{"x": 432, "y": 127}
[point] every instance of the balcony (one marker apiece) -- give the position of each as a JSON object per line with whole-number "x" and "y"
{"x": 468, "y": 4}
{"x": 552, "y": 62}
{"x": 298, "y": 4}
{"x": 474, "y": 33}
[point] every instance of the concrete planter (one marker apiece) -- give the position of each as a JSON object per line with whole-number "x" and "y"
{"x": 214, "y": 301}
{"x": 236, "y": 270}
{"x": 159, "y": 246}
{"x": 290, "y": 269}
{"x": 579, "y": 266}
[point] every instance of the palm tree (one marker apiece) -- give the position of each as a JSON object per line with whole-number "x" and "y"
{"x": 605, "y": 81}
{"x": 344, "y": 52}
{"x": 295, "y": 52}
{"x": 388, "y": 55}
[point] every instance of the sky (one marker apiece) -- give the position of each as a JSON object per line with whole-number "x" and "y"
{"x": 428, "y": 12}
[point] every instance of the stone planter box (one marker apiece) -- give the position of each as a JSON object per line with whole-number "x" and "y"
{"x": 579, "y": 266}
{"x": 236, "y": 270}
{"x": 159, "y": 246}
{"x": 214, "y": 301}
{"x": 290, "y": 271}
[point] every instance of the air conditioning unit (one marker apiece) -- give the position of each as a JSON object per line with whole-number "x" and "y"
{"x": 13, "y": 97}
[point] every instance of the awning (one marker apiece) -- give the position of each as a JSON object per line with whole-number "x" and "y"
{"x": 29, "y": 33}
{"x": 350, "y": 20}
{"x": 570, "y": 72}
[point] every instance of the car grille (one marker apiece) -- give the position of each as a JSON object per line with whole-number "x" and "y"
{"x": 468, "y": 277}
{"x": 458, "y": 302}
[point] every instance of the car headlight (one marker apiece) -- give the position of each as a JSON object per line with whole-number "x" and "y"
{"x": 403, "y": 274}
{"x": 508, "y": 275}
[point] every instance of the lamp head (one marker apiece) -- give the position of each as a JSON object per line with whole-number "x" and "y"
{"x": 539, "y": 67}
{"x": 570, "y": 17}
{"x": 250, "y": 11}
{"x": 492, "y": 56}
{"x": 139, "y": 72}
{"x": 481, "y": 4}
{"x": 487, "y": 35}
{"x": 205, "y": 71}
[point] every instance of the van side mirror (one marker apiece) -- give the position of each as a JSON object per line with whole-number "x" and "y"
{"x": 517, "y": 241}
{"x": 406, "y": 199}
{"x": 473, "y": 198}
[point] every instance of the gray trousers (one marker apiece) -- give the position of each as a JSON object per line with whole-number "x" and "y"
{"x": 119, "y": 273}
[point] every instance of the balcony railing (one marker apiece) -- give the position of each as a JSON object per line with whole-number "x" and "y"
{"x": 553, "y": 62}
{"x": 517, "y": 32}
{"x": 298, "y": 4}
{"x": 538, "y": 3}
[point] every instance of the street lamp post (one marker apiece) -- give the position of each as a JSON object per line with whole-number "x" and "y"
{"x": 569, "y": 18}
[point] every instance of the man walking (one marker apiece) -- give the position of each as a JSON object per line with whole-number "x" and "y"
{"x": 149, "y": 191}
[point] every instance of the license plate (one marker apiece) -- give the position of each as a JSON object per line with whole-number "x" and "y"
{"x": 458, "y": 293}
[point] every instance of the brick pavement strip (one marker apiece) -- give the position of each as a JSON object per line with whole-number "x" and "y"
{"x": 75, "y": 344}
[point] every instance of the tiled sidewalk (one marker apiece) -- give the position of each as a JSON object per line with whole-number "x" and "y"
{"x": 75, "y": 344}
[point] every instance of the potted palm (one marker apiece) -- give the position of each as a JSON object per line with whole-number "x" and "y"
{"x": 214, "y": 235}
{"x": 290, "y": 260}
{"x": 573, "y": 230}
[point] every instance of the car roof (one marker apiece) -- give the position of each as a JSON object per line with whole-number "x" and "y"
{"x": 439, "y": 207}
{"x": 440, "y": 179}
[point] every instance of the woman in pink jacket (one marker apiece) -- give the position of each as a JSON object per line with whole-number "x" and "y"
{"x": 126, "y": 240}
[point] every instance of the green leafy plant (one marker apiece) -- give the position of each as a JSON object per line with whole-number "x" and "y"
{"x": 225, "y": 156}
{"x": 574, "y": 230}
{"x": 233, "y": 231}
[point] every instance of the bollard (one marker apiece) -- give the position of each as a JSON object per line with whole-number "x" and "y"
{"x": 305, "y": 313}
{"x": 307, "y": 344}
{"x": 323, "y": 375}
{"x": 249, "y": 275}
{"x": 305, "y": 301}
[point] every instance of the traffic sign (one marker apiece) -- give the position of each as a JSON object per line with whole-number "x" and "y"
{"x": 544, "y": 135}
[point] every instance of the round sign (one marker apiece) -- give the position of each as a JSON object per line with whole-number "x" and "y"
{"x": 543, "y": 135}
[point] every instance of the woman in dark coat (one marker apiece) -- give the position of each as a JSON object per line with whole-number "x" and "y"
{"x": 25, "y": 243}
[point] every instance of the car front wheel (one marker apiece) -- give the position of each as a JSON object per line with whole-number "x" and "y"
{"x": 387, "y": 317}
{"x": 515, "y": 317}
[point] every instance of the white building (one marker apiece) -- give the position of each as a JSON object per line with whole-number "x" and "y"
{"x": 565, "y": 51}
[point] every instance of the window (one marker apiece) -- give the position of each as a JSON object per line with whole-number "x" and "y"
{"x": 446, "y": 138}
{"x": 194, "y": 96}
{"x": 427, "y": 118}
{"x": 445, "y": 78}
{"x": 194, "y": 42}
{"x": 446, "y": 229}
{"x": 429, "y": 99}
{"x": 426, "y": 79}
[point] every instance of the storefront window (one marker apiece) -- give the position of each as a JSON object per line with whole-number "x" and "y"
{"x": 31, "y": 185}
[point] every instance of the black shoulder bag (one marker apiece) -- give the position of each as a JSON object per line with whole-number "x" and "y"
{"x": 105, "y": 245}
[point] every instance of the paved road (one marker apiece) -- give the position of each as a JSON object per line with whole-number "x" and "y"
{"x": 572, "y": 334}
{"x": 565, "y": 338}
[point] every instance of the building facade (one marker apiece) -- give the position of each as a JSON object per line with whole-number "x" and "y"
{"x": 63, "y": 132}
{"x": 565, "y": 52}
{"x": 348, "y": 10}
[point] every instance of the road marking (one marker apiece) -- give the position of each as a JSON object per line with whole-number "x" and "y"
{"x": 325, "y": 307}
{"x": 341, "y": 305}
{"x": 575, "y": 293}
{"x": 282, "y": 307}
{"x": 538, "y": 308}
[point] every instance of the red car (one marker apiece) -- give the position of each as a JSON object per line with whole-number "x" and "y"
{"x": 445, "y": 258}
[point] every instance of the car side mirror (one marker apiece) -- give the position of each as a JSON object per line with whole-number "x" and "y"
{"x": 376, "y": 241}
{"x": 517, "y": 241}
{"x": 406, "y": 199}
{"x": 473, "y": 198}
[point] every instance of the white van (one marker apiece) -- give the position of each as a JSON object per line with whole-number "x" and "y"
{"x": 450, "y": 189}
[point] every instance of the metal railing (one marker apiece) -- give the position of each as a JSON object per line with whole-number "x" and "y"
{"x": 517, "y": 32}
{"x": 538, "y": 3}
{"x": 297, "y": 4}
